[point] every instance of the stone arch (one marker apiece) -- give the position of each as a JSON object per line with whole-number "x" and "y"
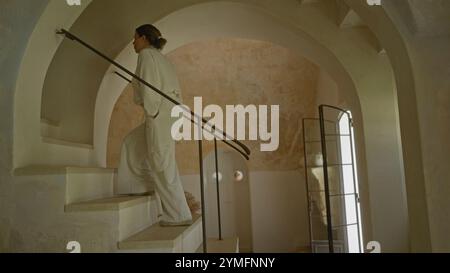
{"x": 262, "y": 28}
{"x": 392, "y": 33}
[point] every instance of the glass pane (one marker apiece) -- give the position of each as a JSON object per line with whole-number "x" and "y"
{"x": 316, "y": 180}
{"x": 343, "y": 208}
{"x": 312, "y": 130}
{"x": 321, "y": 246}
{"x": 331, "y": 116}
{"x": 345, "y": 149}
{"x": 347, "y": 238}
{"x": 350, "y": 209}
{"x": 344, "y": 128}
{"x": 339, "y": 215}
{"x": 318, "y": 229}
{"x": 314, "y": 153}
{"x": 331, "y": 128}
{"x": 341, "y": 180}
{"x": 347, "y": 178}
{"x": 340, "y": 238}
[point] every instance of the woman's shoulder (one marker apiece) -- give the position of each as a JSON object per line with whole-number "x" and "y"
{"x": 151, "y": 53}
{"x": 146, "y": 52}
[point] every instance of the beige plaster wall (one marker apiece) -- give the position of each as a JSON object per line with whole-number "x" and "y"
{"x": 29, "y": 149}
{"x": 281, "y": 224}
{"x": 418, "y": 51}
{"x": 432, "y": 72}
{"x": 17, "y": 21}
{"x": 229, "y": 72}
{"x": 380, "y": 169}
{"x": 381, "y": 21}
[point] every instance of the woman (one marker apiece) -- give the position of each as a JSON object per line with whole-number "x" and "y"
{"x": 148, "y": 153}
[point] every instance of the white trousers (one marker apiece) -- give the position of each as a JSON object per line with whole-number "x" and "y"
{"x": 136, "y": 175}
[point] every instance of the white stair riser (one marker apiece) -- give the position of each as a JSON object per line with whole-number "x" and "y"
{"x": 88, "y": 186}
{"x": 124, "y": 222}
{"x": 155, "y": 250}
{"x": 192, "y": 240}
{"x": 189, "y": 242}
{"x": 47, "y": 228}
{"x": 136, "y": 218}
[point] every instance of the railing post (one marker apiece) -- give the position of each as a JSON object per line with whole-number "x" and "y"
{"x": 202, "y": 189}
{"x": 218, "y": 190}
{"x": 307, "y": 184}
{"x": 202, "y": 186}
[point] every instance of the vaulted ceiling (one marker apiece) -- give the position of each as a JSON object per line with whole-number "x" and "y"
{"x": 75, "y": 74}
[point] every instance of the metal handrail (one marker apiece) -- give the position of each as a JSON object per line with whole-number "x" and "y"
{"x": 246, "y": 152}
{"x": 213, "y": 131}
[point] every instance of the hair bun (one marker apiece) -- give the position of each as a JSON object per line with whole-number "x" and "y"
{"x": 161, "y": 42}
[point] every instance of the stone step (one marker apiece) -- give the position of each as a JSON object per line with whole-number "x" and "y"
{"x": 227, "y": 245}
{"x": 132, "y": 213}
{"x": 55, "y": 170}
{"x": 303, "y": 249}
{"x": 82, "y": 183}
{"x": 157, "y": 239}
{"x": 108, "y": 204}
{"x": 57, "y": 141}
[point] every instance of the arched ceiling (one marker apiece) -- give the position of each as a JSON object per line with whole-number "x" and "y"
{"x": 75, "y": 75}
{"x": 424, "y": 18}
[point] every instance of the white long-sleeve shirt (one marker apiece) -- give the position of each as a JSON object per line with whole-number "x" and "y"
{"x": 154, "y": 68}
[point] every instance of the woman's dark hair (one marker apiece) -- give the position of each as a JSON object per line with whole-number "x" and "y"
{"x": 153, "y": 35}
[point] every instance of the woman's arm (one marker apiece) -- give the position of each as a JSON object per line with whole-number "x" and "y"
{"x": 147, "y": 69}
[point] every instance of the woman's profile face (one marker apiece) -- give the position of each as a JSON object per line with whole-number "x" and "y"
{"x": 140, "y": 42}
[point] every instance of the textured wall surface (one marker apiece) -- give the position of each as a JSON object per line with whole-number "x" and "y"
{"x": 231, "y": 72}
{"x": 17, "y": 19}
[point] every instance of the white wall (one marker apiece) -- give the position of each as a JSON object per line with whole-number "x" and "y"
{"x": 327, "y": 91}
{"x": 29, "y": 149}
{"x": 427, "y": 43}
{"x": 17, "y": 21}
{"x": 388, "y": 28}
{"x": 432, "y": 70}
{"x": 279, "y": 211}
{"x": 235, "y": 204}
{"x": 109, "y": 92}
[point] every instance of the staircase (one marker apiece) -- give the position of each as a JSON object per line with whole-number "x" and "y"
{"x": 61, "y": 204}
